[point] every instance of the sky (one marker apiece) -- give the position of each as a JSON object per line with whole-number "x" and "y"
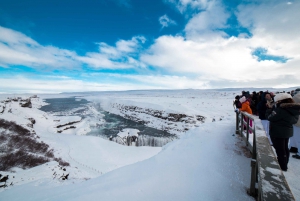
{"x": 55, "y": 46}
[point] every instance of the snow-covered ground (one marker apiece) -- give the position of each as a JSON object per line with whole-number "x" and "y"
{"x": 207, "y": 162}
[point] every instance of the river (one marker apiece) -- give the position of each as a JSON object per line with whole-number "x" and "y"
{"x": 112, "y": 123}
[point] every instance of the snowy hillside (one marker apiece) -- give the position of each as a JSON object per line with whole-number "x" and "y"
{"x": 206, "y": 162}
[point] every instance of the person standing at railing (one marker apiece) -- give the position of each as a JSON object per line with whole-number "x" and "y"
{"x": 295, "y": 140}
{"x": 236, "y": 103}
{"x": 270, "y": 101}
{"x": 270, "y": 105}
{"x": 281, "y": 120}
{"x": 245, "y": 105}
{"x": 246, "y": 108}
{"x": 254, "y": 102}
{"x": 261, "y": 106}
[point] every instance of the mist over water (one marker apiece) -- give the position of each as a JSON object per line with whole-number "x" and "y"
{"x": 110, "y": 125}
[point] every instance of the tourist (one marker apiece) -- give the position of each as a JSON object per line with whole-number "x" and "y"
{"x": 253, "y": 105}
{"x": 270, "y": 106}
{"x": 295, "y": 140}
{"x": 261, "y": 106}
{"x": 270, "y": 100}
{"x": 237, "y": 104}
{"x": 246, "y": 108}
{"x": 245, "y": 105}
{"x": 281, "y": 120}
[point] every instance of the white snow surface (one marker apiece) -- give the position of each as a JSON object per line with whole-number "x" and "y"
{"x": 207, "y": 162}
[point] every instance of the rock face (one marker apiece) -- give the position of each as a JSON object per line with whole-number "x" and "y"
{"x": 171, "y": 122}
{"x": 27, "y": 103}
{"x": 22, "y": 102}
{"x": 2, "y": 108}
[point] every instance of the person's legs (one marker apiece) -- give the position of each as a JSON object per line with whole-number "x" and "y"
{"x": 297, "y": 137}
{"x": 297, "y": 141}
{"x": 287, "y": 151}
{"x": 266, "y": 125}
{"x": 279, "y": 145}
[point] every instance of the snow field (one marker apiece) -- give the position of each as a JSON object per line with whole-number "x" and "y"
{"x": 206, "y": 163}
{"x": 202, "y": 165}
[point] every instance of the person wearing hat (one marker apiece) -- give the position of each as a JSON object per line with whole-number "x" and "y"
{"x": 246, "y": 108}
{"x": 245, "y": 105}
{"x": 236, "y": 103}
{"x": 282, "y": 118}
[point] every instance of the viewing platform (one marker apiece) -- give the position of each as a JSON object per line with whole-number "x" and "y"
{"x": 268, "y": 181}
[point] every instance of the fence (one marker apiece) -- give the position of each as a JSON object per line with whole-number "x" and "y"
{"x": 267, "y": 180}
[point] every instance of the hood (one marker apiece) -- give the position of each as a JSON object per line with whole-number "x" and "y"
{"x": 296, "y": 98}
{"x": 293, "y": 108}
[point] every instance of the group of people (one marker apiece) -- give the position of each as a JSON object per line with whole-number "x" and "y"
{"x": 279, "y": 113}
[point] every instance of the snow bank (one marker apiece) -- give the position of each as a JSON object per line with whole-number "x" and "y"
{"x": 204, "y": 161}
{"x": 88, "y": 156}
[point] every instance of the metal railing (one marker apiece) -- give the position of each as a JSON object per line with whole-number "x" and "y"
{"x": 267, "y": 180}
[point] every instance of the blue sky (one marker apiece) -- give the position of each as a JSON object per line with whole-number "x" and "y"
{"x": 94, "y": 45}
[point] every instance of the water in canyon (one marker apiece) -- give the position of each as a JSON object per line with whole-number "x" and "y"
{"x": 110, "y": 124}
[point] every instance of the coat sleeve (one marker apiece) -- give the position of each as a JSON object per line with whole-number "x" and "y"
{"x": 274, "y": 115}
{"x": 243, "y": 108}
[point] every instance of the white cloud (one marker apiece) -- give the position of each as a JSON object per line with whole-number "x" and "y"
{"x": 129, "y": 46}
{"x": 165, "y": 21}
{"x": 25, "y": 85}
{"x": 18, "y": 49}
{"x": 167, "y": 81}
{"x": 274, "y": 26}
{"x": 222, "y": 61}
{"x": 214, "y": 61}
{"x": 206, "y": 24}
{"x": 184, "y": 5}
{"x": 119, "y": 57}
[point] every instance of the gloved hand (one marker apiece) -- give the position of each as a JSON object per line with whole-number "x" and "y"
{"x": 237, "y": 110}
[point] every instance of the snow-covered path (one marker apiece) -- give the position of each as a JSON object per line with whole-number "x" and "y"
{"x": 204, "y": 164}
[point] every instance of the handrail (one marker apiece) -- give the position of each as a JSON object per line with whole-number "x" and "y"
{"x": 267, "y": 180}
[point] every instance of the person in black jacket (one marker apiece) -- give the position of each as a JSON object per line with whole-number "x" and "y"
{"x": 281, "y": 120}
{"x": 236, "y": 103}
{"x": 261, "y": 106}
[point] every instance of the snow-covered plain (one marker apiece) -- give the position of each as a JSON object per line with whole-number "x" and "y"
{"x": 207, "y": 162}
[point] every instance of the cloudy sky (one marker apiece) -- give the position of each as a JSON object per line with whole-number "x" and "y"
{"x": 95, "y": 45}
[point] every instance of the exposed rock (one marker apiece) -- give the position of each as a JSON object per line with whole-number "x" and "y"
{"x": 26, "y": 104}
{"x": 67, "y": 124}
{"x": 134, "y": 113}
{"x": 32, "y": 120}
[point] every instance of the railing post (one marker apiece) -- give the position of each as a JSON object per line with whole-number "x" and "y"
{"x": 242, "y": 124}
{"x": 247, "y": 131}
{"x": 254, "y": 144}
{"x": 237, "y": 123}
{"x": 252, "y": 191}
